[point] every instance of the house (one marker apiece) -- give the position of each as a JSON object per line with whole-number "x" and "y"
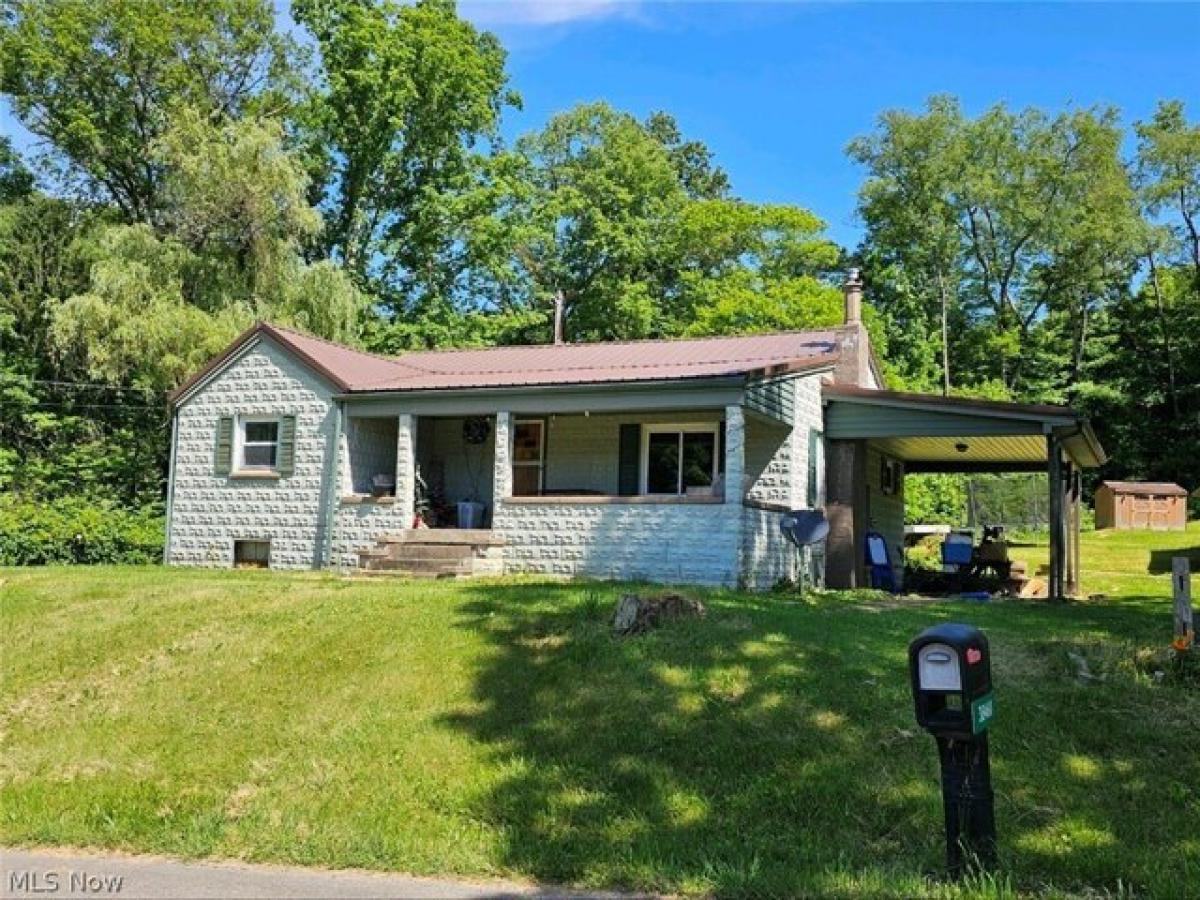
{"x": 669, "y": 460}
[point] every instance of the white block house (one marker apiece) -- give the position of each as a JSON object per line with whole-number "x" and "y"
{"x": 670, "y": 461}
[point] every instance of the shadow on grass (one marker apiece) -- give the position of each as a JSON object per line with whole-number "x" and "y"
{"x": 764, "y": 749}
{"x": 1160, "y": 560}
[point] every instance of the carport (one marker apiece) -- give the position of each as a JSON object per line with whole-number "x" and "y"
{"x": 874, "y": 438}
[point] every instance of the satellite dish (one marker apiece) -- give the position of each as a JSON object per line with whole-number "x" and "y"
{"x": 804, "y": 527}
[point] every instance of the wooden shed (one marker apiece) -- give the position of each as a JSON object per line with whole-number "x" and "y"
{"x": 1126, "y": 505}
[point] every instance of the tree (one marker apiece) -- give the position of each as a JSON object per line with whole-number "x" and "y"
{"x": 1153, "y": 332}
{"x": 100, "y": 81}
{"x": 407, "y": 91}
{"x": 1168, "y": 167}
{"x": 157, "y": 305}
{"x": 628, "y": 227}
{"x": 1030, "y": 219}
{"x": 16, "y": 181}
{"x": 913, "y": 245}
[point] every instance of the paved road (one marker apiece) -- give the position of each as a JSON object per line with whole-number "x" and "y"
{"x": 46, "y": 874}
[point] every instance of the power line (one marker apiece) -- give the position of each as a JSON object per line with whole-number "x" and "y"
{"x": 95, "y": 384}
{"x": 66, "y": 404}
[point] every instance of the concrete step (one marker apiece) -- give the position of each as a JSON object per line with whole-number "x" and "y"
{"x": 435, "y": 567}
{"x": 397, "y": 573}
{"x": 428, "y": 551}
{"x": 475, "y": 537}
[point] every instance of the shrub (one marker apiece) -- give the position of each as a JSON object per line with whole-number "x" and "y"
{"x": 78, "y": 530}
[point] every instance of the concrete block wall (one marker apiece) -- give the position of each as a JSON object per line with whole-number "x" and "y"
{"x": 669, "y": 543}
{"x": 209, "y": 511}
{"x": 769, "y": 460}
{"x": 360, "y": 520}
{"x": 767, "y": 557}
{"x": 358, "y": 524}
{"x": 778, "y": 460}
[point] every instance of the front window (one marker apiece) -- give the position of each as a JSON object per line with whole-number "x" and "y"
{"x": 679, "y": 459}
{"x": 259, "y": 445}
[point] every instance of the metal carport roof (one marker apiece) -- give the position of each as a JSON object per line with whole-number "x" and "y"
{"x": 933, "y": 433}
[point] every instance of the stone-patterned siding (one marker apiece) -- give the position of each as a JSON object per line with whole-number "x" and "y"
{"x": 359, "y": 524}
{"x": 777, "y": 466}
{"x": 777, "y": 456}
{"x": 885, "y": 512}
{"x": 768, "y": 557}
{"x": 810, "y": 415}
{"x": 209, "y": 511}
{"x": 669, "y": 543}
{"x": 769, "y": 450}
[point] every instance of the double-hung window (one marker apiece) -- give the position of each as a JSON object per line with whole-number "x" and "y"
{"x": 258, "y": 444}
{"x": 679, "y": 459}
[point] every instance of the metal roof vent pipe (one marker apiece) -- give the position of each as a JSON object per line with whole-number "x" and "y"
{"x": 853, "y": 291}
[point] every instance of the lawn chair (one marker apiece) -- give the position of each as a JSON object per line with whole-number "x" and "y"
{"x": 879, "y": 559}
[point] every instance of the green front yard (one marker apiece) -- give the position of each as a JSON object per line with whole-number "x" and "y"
{"x": 497, "y": 729}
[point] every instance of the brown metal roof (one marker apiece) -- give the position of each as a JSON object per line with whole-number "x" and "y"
{"x": 599, "y": 363}
{"x": 1167, "y": 488}
{"x": 545, "y": 364}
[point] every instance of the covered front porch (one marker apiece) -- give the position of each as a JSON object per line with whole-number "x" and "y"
{"x": 876, "y": 438}
{"x": 637, "y": 483}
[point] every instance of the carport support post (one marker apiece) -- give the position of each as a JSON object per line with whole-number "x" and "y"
{"x": 1054, "y": 473}
{"x": 1077, "y": 498}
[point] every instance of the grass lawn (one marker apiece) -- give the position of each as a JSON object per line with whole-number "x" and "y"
{"x": 481, "y": 728}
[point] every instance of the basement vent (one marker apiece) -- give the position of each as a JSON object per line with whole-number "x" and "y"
{"x": 252, "y": 554}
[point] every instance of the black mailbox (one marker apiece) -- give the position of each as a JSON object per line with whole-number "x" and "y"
{"x": 951, "y": 672}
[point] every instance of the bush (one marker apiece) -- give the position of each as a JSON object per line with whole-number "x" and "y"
{"x": 78, "y": 530}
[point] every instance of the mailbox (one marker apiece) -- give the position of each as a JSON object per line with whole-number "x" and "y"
{"x": 951, "y": 675}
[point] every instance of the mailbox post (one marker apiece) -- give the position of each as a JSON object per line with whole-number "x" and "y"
{"x": 951, "y": 672}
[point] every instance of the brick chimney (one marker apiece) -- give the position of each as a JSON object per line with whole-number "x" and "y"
{"x": 854, "y": 364}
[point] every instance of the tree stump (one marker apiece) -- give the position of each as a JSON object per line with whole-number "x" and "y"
{"x": 636, "y": 614}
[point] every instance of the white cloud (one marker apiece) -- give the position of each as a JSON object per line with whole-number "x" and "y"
{"x": 545, "y": 12}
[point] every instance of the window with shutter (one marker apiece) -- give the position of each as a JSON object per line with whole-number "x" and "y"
{"x": 285, "y": 461}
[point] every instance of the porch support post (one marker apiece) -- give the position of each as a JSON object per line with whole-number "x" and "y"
{"x": 406, "y": 469}
{"x": 735, "y": 452}
{"x": 502, "y": 475}
{"x": 1054, "y": 477}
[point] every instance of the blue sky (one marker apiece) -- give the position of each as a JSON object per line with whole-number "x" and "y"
{"x": 778, "y": 89}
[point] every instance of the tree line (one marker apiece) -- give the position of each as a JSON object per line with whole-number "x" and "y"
{"x": 198, "y": 167}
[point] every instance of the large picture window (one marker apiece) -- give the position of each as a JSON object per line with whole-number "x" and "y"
{"x": 679, "y": 459}
{"x": 258, "y": 444}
